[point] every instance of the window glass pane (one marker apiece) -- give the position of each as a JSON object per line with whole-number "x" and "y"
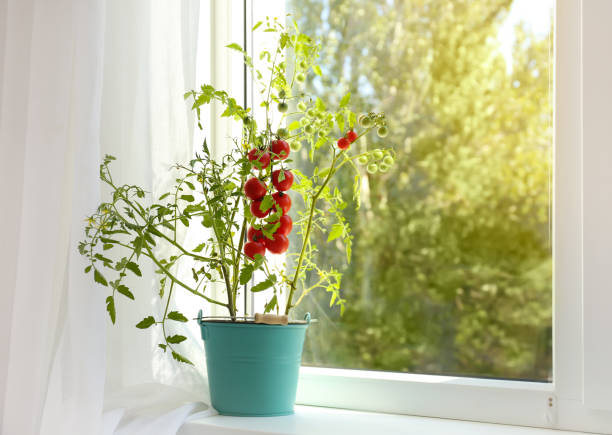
{"x": 452, "y": 266}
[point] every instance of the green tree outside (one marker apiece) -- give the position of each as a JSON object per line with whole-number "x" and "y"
{"x": 451, "y": 270}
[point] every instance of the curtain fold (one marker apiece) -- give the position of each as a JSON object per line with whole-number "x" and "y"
{"x": 49, "y": 121}
{"x": 80, "y": 79}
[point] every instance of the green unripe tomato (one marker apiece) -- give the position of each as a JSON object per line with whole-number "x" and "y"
{"x": 377, "y": 154}
{"x": 282, "y": 132}
{"x": 301, "y": 106}
{"x": 388, "y": 160}
{"x": 382, "y": 131}
{"x": 372, "y": 168}
{"x": 303, "y": 64}
{"x": 362, "y": 160}
{"x": 304, "y": 121}
{"x": 295, "y": 146}
{"x": 300, "y": 78}
{"x": 383, "y": 167}
{"x": 309, "y": 129}
{"x": 365, "y": 122}
{"x": 311, "y": 113}
{"x": 283, "y": 107}
{"x": 319, "y": 115}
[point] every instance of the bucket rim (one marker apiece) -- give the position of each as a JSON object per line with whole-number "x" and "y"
{"x": 245, "y": 323}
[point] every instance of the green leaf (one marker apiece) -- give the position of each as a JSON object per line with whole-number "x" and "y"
{"x": 134, "y": 268}
{"x": 88, "y": 269}
{"x": 165, "y": 195}
{"x": 184, "y": 221}
{"x": 266, "y": 203}
{"x": 345, "y": 100}
{"x": 294, "y": 125}
{"x": 256, "y": 26}
{"x": 235, "y": 46}
{"x": 245, "y": 274}
{"x": 107, "y": 246}
{"x": 176, "y": 339}
{"x": 264, "y": 285}
{"x": 99, "y": 278}
{"x": 110, "y": 307}
{"x": 270, "y": 305}
{"x": 125, "y": 291}
{"x": 340, "y": 121}
{"x": 188, "y": 198}
{"x": 154, "y": 231}
{"x": 317, "y": 70}
{"x": 146, "y": 322}
{"x": 199, "y": 247}
{"x": 337, "y": 230}
{"x": 162, "y": 346}
{"x": 176, "y": 316}
{"x": 180, "y": 358}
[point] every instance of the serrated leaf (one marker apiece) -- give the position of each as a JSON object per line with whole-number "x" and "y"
{"x": 199, "y": 247}
{"x": 180, "y": 358}
{"x": 266, "y": 203}
{"x": 177, "y": 316}
{"x": 188, "y": 198}
{"x": 99, "y": 278}
{"x": 125, "y": 291}
{"x": 110, "y": 307}
{"x": 245, "y": 274}
{"x": 176, "y": 339}
{"x": 235, "y": 46}
{"x": 337, "y": 230}
{"x": 270, "y": 305}
{"x": 146, "y": 322}
{"x": 264, "y": 285}
{"x": 133, "y": 267}
{"x": 345, "y": 100}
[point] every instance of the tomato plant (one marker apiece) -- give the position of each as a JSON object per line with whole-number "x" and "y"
{"x": 243, "y": 199}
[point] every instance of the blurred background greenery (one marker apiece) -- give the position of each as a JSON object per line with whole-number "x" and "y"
{"x": 451, "y": 270}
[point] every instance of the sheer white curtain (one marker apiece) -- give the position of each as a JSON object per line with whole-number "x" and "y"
{"x": 79, "y": 79}
{"x": 51, "y": 316}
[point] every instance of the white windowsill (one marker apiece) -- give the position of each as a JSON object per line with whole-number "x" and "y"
{"x": 310, "y": 420}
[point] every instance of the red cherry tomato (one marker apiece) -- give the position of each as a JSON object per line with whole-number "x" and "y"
{"x": 261, "y": 156}
{"x": 280, "y": 149}
{"x": 277, "y": 244}
{"x": 256, "y": 211}
{"x": 286, "y": 183}
{"x": 286, "y": 224}
{"x": 283, "y": 200}
{"x": 254, "y": 235}
{"x": 351, "y": 136}
{"x": 254, "y": 189}
{"x": 253, "y": 248}
{"x": 343, "y": 143}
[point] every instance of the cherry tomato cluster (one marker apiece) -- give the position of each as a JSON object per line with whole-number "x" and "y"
{"x": 347, "y": 140}
{"x": 256, "y": 190}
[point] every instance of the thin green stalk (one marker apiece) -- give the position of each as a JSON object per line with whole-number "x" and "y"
{"x": 307, "y": 234}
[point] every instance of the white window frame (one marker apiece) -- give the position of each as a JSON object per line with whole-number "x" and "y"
{"x": 580, "y": 396}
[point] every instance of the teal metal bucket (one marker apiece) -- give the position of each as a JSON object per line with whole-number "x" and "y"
{"x": 253, "y": 368}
